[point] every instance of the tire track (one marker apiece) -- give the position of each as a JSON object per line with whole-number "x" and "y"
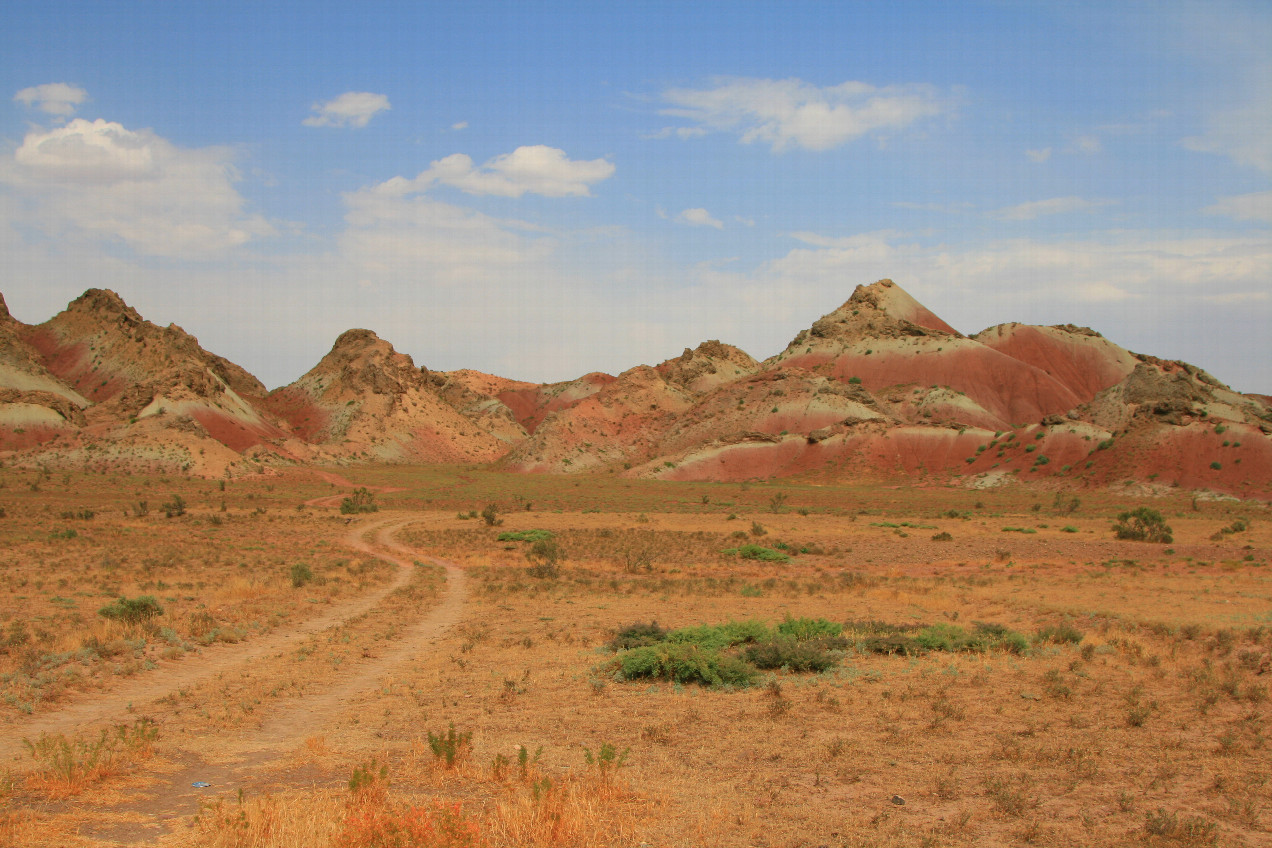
{"x": 237, "y": 763}
{"x": 113, "y": 703}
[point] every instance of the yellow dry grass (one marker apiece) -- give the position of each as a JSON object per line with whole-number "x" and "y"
{"x": 1150, "y": 730}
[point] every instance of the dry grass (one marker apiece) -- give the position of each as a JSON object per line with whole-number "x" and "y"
{"x": 1137, "y": 714}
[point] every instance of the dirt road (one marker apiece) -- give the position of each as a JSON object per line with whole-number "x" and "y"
{"x": 233, "y": 764}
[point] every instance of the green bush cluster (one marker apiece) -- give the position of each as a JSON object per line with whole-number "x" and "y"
{"x": 729, "y": 654}
{"x": 877, "y": 637}
{"x": 758, "y": 552}
{"x": 362, "y": 500}
{"x": 1143, "y": 525}
{"x": 524, "y": 536}
{"x": 137, "y": 610}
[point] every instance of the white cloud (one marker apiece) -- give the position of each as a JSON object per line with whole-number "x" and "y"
{"x": 1039, "y": 156}
{"x": 1053, "y": 206}
{"x": 351, "y": 109}
{"x": 785, "y": 113}
{"x": 394, "y": 227}
{"x": 1256, "y": 206}
{"x": 535, "y": 169}
{"x": 1088, "y": 144}
{"x": 699, "y": 217}
{"x": 101, "y": 179}
{"x": 462, "y": 125}
{"x": 678, "y": 132}
{"x": 54, "y": 98}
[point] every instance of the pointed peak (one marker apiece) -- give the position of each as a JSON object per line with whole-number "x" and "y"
{"x": 102, "y": 302}
{"x": 356, "y": 339}
{"x": 889, "y": 298}
{"x": 5, "y": 317}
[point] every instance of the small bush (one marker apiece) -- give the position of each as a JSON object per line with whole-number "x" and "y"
{"x": 490, "y": 516}
{"x": 758, "y": 552}
{"x": 544, "y": 556}
{"x": 524, "y": 536}
{"x": 1143, "y": 525}
{"x": 638, "y": 635}
{"x": 174, "y": 507}
{"x": 942, "y": 537}
{"x": 684, "y": 663}
{"x": 805, "y": 629}
{"x": 137, "y": 610}
{"x": 361, "y": 501}
{"x": 791, "y": 654}
{"x": 1059, "y": 634}
{"x": 720, "y": 636}
{"x": 450, "y": 747}
{"x": 301, "y": 574}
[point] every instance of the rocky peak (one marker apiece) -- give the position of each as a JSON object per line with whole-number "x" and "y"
{"x": 5, "y": 317}
{"x": 104, "y": 303}
{"x": 707, "y": 365}
{"x": 879, "y": 310}
{"x": 361, "y": 360}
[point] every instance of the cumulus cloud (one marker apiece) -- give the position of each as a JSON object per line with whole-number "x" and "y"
{"x": 351, "y": 109}
{"x": 1039, "y": 156}
{"x": 395, "y": 224}
{"x": 1256, "y": 206}
{"x": 102, "y": 179}
{"x": 699, "y": 217}
{"x": 54, "y": 98}
{"x": 793, "y": 113}
{"x": 535, "y": 169}
{"x": 1053, "y": 206}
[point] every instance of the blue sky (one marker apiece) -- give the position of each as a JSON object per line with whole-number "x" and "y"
{"x": 542, "y": 189}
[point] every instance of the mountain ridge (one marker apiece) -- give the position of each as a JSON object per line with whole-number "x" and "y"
{"x": 880, "y": 386}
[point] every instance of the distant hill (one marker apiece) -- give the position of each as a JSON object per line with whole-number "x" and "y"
{"x": 879, "y": 388}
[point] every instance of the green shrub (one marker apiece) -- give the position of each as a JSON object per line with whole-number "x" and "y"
{"x": 361, "y": 501}
{"x": 638, "y": 635}
{"x": 804, "y": 629}
{"x": 719, "y": 636}
{"x": 301, "y": 574}
{"x": 1059, "y": 634}
{"x": 524, "y": 536}
{"x": 450, "y": 746}
{"x": 137, "y": 610}
{"x": 1143, "y": 525}
{"x": 683, "y": 663}
{"x": 942, "y": 637}
{"x": 791, "y": 654}
{"x": 175, "y": 507}
{"x": 544, "y": 556}
{"x": 758, "y": 552}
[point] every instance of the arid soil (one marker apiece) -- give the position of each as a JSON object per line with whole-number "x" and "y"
{"x": 1132, "y": 710}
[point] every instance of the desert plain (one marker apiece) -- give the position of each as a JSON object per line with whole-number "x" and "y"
{"x": 258, "y": 662}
